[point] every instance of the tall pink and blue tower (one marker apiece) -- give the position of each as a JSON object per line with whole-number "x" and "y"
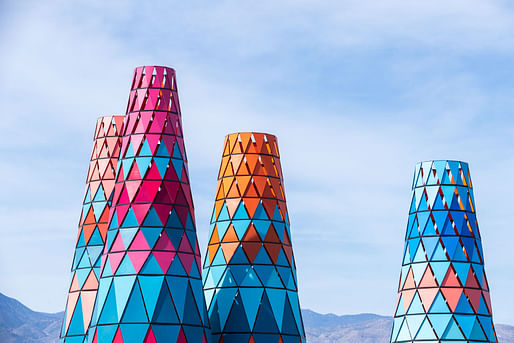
{"x": 443, "y": 295}
{"x": 150, "y": 287}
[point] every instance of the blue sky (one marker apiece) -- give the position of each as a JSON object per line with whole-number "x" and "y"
{"x": 356, "y": 91}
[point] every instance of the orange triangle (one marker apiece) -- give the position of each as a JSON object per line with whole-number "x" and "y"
{"x": 218, "y": 205}
{"x": 251, "y": 205}
{"x": 251, "y": 234}
{"x": 236, "y": 162}
{"x": 273, "y": 251}
{"x": 232, "y": 139}
{"x": 214, "y": 237}
{"x": 213, "y": 249}
{"x": 242, "y": 183}
{"x": 246, "y": 138}
{"x": 243, "y": 168}
{"x": 289, "y": 254}
{"x": 226, "y": 147}
{"x": 233, "y": 191}
{"x": 90, "y": 218}
{"x": 251, "y": 191}
{"x": 230, "y": 235}
{"x": 88, "y": 229}
{"x": 272, "y": 236}
{"x": 252, "y": 161}
{"x": 260, "y": 182}
{"x": 224, "y": 162}
{"x": 237, "y": 147}
{"x": 251, "y": 249}
{"x": 221, "y": 191}
{"x": 286, "y": 238}
{"x": 268, "y": 165}
{"x": 229, "y": 249}
{"x": 232, "y": 205}
{"x": 269, "y": 206}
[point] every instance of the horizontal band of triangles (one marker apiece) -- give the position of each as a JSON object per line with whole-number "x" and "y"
{"x": 441, "y": 172}
{"x": 251, "y": 143}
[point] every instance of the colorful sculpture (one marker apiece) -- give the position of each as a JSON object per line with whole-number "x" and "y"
{"x": 150, "y": 288}
{"x": 249, "y": 271}
{"x": 443, "y": 292}
{"x": 85, "y": 270}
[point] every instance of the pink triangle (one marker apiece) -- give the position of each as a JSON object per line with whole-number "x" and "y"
{"x": 187, "y": 261}
{"x": 185, "y": 246}
{"x": 172, "y": 123}
{"x": 158, "y": 77}
{"x": 181, "y": 337}
{"x": 182, "y": 213}
{"x": 169, "y": 141}
{"x": 136, "y": 142}
{"x": 115, "y": 259}
{"x": 118, "y": 244}
{"x": 172, "y": 187}
{"x": 163, "y": 211}
{"x": 138, "y": 258}
{"x": 132, "y": 187}
{"x": 118, "y": 338}
{"x": 153, "y": 172}
{"x": 153, "y": 141}
{"x": 139, "y": 242}
{"x": 165, "y": 99}
{"x": 150, "y": 338}
{"x": 145, "y": 119}
{"x": 164, "y": 259}
{"x": 158, "y": 122}
{"x": 140, "y": 210}
{"x": 121, "y": 211}
{"x": 164, "y": 243}
{"x": 151, "y": 188}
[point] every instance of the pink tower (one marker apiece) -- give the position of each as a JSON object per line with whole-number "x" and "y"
{"x": 151, "y": 286}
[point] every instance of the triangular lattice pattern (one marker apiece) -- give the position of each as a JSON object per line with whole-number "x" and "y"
{"x": 150, "y": 287}
{"x": 85, "y": 270}
{"x": 443, "y": 292}
{"x": 249, "y": 270}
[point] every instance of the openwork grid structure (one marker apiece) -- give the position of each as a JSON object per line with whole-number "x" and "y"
{"x": 443, "y": 291}
{"x": 150, "y": 287}
{"x": 85, "y": 270}
{"x": 249, "y": 270}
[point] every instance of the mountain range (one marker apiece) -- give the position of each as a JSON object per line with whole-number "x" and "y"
{"x": 19, "y": 324}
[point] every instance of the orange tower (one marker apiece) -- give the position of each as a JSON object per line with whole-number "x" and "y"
{"x": 249, "y": 273}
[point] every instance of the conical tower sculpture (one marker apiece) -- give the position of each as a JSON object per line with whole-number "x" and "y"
{"x": 85, "y": 270}
{"x": 150, "y": 287}
{"x": 249, "y": 270}
{"x": 443, "y": 292}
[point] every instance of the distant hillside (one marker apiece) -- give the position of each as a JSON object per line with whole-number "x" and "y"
{"x": 364, "y": 328}
{"x": 19, "y": 324}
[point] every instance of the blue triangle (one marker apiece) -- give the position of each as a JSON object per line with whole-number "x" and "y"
{"x": 135, "y": 311}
